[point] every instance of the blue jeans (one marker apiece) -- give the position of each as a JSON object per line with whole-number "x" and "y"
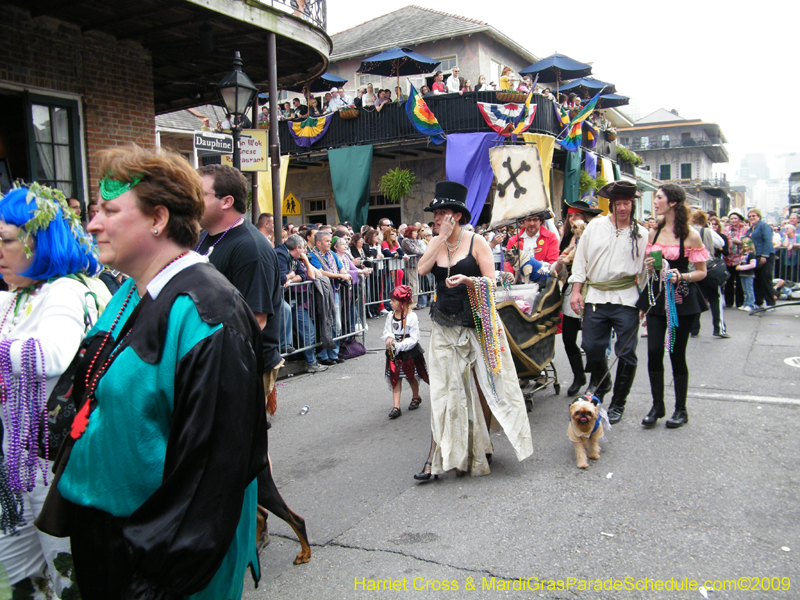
{"x": 306, "y": 332}
{"x": 749, "y": 291}
{"x": 333, "y": 354}
{"x": 286, "y": 326}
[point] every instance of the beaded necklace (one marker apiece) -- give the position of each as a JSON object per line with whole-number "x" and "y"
{"x": 487, "y": 324}
{"x": 17, "y": 308}
{"x": 454, "y": 249}
{"x": 24, "y": 402}
{"x": 224, "y": 233}
{"x": 90, "y": 382}
{"x": 323, "y": 259}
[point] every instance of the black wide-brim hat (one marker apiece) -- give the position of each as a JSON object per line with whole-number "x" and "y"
{"x": 617, "y": 190}
{"x": 452, "y": 195}
{"x": 587, "y": 204}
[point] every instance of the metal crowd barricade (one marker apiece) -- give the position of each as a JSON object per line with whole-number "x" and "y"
{"x": 299, "y": 325}
{"x": 390, "y": 272}
{"x": 787, "y": 267}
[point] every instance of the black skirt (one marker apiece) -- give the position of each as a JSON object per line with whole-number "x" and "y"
{"x": 691, "y": 303}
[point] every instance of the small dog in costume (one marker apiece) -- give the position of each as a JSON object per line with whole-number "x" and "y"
{"x": 586, "y": 427}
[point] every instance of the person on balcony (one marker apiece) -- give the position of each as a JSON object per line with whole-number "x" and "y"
{"x": 525, "y": 85}
{"x": 336, "y": 103}
{"x": 481, "y": 87}
{"x": 326, "y": 100}
{"x": 507, "y": 80}
{"x": 299, "y": 110}
{"x": 438, "y": 84}
{"x": 454, "y": 82}
{"x": 400, "y": 96}
{"x": 425, "y": 91}
{"x": 381, "y": 100}
{"x": 368, "y": 99}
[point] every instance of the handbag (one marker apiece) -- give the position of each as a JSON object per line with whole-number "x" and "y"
{"x": 716, "y": 271}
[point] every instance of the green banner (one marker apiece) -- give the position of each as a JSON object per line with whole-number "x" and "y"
{"x": 572, "y": 176}
{"x": 350, "y": 175}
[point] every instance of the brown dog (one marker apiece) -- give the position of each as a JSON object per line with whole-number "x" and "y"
{"x": 585, "y": 430}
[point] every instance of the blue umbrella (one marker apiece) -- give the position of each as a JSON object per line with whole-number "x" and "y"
{"x": 587, "y": 87}
{"x": 557, "y": 68}
{"x": 323, "y": 83}
{"x": 396, "y": 62}
{"x": 612, "y": 100}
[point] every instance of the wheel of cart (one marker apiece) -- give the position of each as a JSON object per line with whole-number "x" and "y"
{"x": 532, "y": 337}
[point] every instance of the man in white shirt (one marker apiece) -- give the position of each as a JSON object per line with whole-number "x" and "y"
{"x": 336, "y": 102}
{"x": 608, "y": 262}
{"x": 454, "y": 82}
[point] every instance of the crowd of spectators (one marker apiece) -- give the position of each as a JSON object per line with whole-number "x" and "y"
{"x": 367, "y": 264}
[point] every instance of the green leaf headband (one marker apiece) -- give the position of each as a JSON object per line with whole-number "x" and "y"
{"x": 111, "y": 188}
{"x": 47, "y": 201}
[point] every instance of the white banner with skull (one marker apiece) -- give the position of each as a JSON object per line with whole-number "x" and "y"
{"x": 520, "y": 183}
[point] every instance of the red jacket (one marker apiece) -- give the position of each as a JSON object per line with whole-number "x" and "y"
{"x": 546, "y": 247}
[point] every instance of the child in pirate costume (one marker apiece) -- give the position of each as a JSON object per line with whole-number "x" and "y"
{"x": 404, "y": 358}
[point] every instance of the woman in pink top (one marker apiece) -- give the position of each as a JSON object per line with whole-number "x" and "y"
{"x": 680, "y": 300}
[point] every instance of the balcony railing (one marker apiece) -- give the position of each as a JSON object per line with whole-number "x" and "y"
{"x": 639, "y": 146}
{"x": 720, "y": 181}
{"x": 455, "y": 113}
{"x": 313, "y": 11}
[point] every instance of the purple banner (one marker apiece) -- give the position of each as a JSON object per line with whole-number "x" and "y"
{"x": 468, "y": 163}
{"x": 591, "y": 164}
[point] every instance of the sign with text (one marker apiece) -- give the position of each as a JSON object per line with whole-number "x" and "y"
{"x": 208, "y": 143}
{"x": 253, "y": 149}
{"x": 291, "y": 207}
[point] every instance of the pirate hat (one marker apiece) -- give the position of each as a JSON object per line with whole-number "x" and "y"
{"x": 587, "y": 204}
{"x": 452, "y": 195}
{"x": 620, "y": 190}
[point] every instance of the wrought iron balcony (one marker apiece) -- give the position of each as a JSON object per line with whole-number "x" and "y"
{"x": 455, "y": 113}
{"x": 637, "y": 145}
{"x": 313, "y": 11}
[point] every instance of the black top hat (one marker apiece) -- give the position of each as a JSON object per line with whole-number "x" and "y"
{"x": 452, "y": 195}
{"x": 587, "y": 204}
{"x": 617, "y": 190}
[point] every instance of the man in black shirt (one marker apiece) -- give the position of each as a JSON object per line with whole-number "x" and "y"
{"x": 243, "y": 255}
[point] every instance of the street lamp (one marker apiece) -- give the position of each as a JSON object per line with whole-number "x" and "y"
{"x": 236, "y": 92}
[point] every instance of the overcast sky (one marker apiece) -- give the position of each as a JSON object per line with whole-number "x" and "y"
{"x": 731, "y": 64}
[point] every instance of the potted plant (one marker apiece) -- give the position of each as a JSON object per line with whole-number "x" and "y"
{"x": 397, "y": 183}
{"x": 627, "y": 156}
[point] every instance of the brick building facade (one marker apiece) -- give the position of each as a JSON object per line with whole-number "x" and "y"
{"x": 104, "y": 85}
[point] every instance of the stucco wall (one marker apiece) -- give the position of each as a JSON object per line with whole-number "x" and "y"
{"x": 474, "y": 54}
{"x": 316, "y": 184}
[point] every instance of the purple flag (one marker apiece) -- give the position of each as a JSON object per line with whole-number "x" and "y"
{"x": 468, "y": 163}
{"x": 591, "y": 164}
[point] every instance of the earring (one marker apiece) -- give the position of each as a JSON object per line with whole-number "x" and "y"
{"x": 155, "y": 231}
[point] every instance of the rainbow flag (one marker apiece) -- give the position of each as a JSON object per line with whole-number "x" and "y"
{"x": 310, "y": 130}
{"x": 562, "y": 117}
{"x": 573, "y": 139}
{"x": 422, "y": 117}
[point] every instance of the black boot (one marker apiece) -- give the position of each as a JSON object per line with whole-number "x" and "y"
{"x": 680, "y": 417}
{"x": 599, "y": 372}
{"x": 622, "y": 387}
{"x": 657, "y": 390}
{"x": 578, "y": 374}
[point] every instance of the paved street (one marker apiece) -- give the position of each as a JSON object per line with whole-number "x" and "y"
{"x": 715, "y": 500}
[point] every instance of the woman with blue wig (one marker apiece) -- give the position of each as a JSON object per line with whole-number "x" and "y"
{"x": 46, "y": 259}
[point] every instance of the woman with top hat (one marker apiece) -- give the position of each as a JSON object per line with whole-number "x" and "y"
{"x": 473, "y": 381}
{"x": 158, "y": 472}
{"x": 46, "y": 258}
{"x": 579, "y": 210}
{"x": 673, "y": 299}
